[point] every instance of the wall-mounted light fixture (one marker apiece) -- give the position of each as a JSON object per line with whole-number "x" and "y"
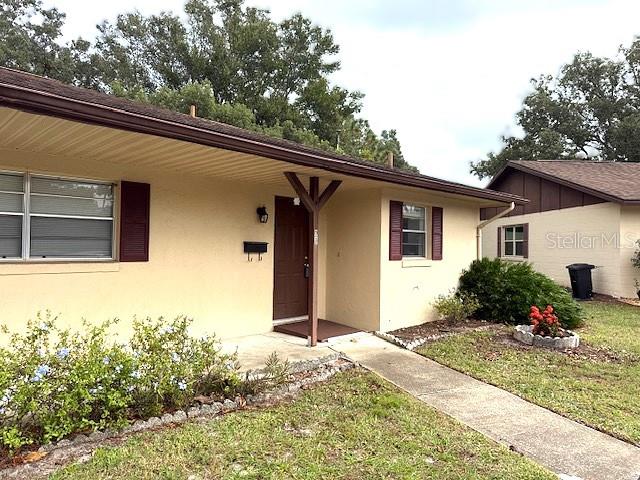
{"x": 296, "y": 201}
{"x": 263, "y": 216}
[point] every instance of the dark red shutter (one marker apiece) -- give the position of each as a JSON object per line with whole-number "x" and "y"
{"x": 499, "y": 242}
{"x": 134, "y": 221}
{"x": 436, "y": 233}
{"x": 395, "y": 230}
{"x": 525, "y": 240}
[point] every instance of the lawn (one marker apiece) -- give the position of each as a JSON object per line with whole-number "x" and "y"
{"x": 354, "y": 426}
{"x": 598, "y": 385}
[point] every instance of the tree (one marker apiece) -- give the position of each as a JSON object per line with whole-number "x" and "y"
{"x": 358, "y": 139}
{"x": 233, "y": 62}
{"x": 28, "y": 39}
{"x": 591, "y": 110}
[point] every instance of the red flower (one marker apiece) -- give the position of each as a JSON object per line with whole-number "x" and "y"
{"x": 545, "y": 322}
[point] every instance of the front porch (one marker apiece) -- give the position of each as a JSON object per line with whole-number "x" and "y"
{"x": 326, "y": 329}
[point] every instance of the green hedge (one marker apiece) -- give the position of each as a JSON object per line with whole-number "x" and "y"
{"x": 507, "y": 290}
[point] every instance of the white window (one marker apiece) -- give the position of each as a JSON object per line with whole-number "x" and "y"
{"x": 513, "y": 239}
{"x": 54, "y": 218}
{"x": 414, "y": 233}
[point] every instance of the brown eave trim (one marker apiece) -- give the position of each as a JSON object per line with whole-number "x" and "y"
{"x": 561, "y": 181}
{"x": 44, "y": 103}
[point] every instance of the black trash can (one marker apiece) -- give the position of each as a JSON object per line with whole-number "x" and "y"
{"x": 581, "y": 284}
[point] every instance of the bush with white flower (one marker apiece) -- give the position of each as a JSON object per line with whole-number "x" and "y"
{"x": 54, "y": 382}
{"x": 171, "y": 366}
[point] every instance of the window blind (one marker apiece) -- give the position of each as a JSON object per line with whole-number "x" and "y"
{"x": 70, "y": 219}
{"x": 70, "y": 238}
{"x": 11, "y": 215}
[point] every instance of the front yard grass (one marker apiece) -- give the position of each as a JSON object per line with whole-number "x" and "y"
{"x": 354, "y": 426}
{"x": 599, "y": 384}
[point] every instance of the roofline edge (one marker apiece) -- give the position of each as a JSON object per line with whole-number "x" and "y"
{"x": 44, "y": 103}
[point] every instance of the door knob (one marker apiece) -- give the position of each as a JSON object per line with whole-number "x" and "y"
{"x": 307, "y": 270}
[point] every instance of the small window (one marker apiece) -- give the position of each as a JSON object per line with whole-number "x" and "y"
{"x": 413, "y": 231}
{"x": 513, "y": 239}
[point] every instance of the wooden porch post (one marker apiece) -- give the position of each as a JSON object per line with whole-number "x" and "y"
{"x": 312, "y": 288}
{"x": 313, "y": 202}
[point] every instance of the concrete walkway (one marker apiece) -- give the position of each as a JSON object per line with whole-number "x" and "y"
{"x": 563, "y": 446}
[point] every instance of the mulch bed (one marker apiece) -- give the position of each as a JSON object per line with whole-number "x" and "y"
{"x": 609, "y": 299}
{"x": 502, "y": 335}
{"x": 631, "y": 301}
{"x": 438, "y": 328}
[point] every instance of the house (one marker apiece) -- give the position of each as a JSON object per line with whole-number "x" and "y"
{"x": 112, "y": 208}
{"x": 578, "y": 212}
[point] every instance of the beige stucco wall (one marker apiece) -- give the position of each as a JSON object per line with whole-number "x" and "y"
{"x": 629, "y": 235}
{"x": 353, "y": 252}
{"x": 408, "y": 287}
{"x": 592, "y": 234}
{"x": 196, "y": 265}
{"x": 367, "y": 290}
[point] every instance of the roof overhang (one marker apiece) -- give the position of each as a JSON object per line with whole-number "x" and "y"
{"x": 94, "y": 113}
{"x": 576, "y": 186}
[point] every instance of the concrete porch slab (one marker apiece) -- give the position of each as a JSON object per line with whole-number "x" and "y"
{"x": 253, "y": 350}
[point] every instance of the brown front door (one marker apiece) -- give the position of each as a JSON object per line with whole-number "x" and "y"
{"x": 290, "y": 255}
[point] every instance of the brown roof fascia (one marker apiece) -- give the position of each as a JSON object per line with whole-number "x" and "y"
{"x": 561, "y": 181}
{"x": 44, "y": 103}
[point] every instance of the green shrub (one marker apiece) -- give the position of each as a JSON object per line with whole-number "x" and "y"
{"x": 171, "y": 366}
{"x": 457, "y": 306}
{"x": 635, "y": 259}
{"x": 507, "y": 290}
{"x": 54, "y": 382}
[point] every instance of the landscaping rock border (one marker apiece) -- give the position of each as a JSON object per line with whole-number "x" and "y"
{"x": 523, "y": 333}
{"x": 418, "y": 342}
{"x": 305, "y": 373}
{"x": 412, "y": 345}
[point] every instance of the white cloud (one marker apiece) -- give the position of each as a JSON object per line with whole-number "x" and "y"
{"x": 449, "y": 90}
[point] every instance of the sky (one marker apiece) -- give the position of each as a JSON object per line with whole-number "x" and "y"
{"x": 448, "y": 75}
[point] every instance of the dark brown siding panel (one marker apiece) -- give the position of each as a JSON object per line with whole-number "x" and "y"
{"x": 532, "y": 193}
{"x": 395, "y": 230}
{"x": 569, "y": 197}
{"x": 525, "y": 242}
{"x": 591, "y": 200}
{"x": 550, "y": 196}
{"x": 543, "y": 194}
{"x": 514, "y": 182}
{"x": 134, "y": 221}
{"x": 488, "y": 212}
{"x": 437, "y": 227}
